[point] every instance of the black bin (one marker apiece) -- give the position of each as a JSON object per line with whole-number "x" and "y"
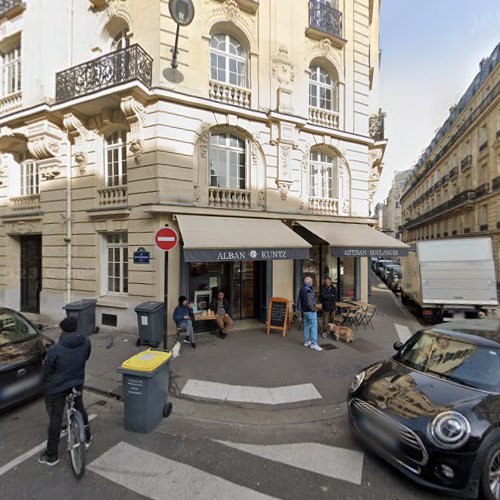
{"x": 84, "y": 311}
{"x": 150, "y": 322}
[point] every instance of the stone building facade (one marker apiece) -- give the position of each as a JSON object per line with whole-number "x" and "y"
{"x": 454, "y": 190}
{"x": 266, "y": 117}
{"x": 391, "y": 209}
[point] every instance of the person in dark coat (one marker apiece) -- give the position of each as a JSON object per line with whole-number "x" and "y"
{"x": 220, "y": 307}
{"x": 64, "y": 369}
{"x": 327, "y": 299}
{"x": 306, "y": 305}
{"x": 184, "y": 319}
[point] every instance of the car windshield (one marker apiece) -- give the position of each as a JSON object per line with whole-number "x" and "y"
{"x": 14, "y": 328}
{"x": 465, "y": 363}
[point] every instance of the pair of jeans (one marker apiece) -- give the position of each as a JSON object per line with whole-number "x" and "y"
{"x": 310, "y": 327}
{"x": 55, "y": 408}
{"x": 187, "y": 326}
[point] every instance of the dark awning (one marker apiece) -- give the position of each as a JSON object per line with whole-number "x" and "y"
{"x": 356, "y": 240}
{"x": 212, "y": 239}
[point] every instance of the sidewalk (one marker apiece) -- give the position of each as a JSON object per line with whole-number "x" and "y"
{"x": 251, "y": 360}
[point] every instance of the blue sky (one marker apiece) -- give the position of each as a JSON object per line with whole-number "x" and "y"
{"x": 430, "y": 53}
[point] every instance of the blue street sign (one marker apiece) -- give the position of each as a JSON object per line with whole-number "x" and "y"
{"x": 141, "y": 256}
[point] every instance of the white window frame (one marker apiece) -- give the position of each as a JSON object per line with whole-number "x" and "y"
{"x": 321, "y": 80}
{"x": 323, "y": 175}
{"x": 29, "y": 179}
{"x": 115, "y": 159}
{"x": 11, "y": 71}
{"x": 115, "y": 252}
{"x": 229, "y": 57}
{"x": 227, "y": 150}
{"x": 121, "y": 40}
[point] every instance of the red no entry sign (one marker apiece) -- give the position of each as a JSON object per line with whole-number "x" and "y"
{"x": 166, "y": 239}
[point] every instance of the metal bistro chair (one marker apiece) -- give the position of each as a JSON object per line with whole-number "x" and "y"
{"x": 368, "y": 315}
{"x": 352, "y": 316}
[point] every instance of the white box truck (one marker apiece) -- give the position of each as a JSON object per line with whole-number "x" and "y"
{"x": 450, "y": 279}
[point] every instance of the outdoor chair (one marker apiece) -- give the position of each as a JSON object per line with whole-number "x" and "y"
{"x": 352, "y": 317}
{"x": 369, "y": 315}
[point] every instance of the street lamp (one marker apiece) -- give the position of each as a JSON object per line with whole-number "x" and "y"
{"x": 182, "y": 12}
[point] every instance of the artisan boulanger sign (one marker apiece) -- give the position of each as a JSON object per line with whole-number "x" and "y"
{"x": 368, "y": 252}
{"x": 212, "y": 255}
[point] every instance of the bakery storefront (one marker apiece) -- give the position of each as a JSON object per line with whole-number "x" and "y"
{"x": 342, "y": 252}
{"x": 235, "y": 255}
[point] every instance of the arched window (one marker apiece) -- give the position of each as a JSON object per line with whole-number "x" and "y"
{"x": 121, "y": 40}
{"x": 322, "y": 89}
{"x": 228, "y": 164}
{"x": 115, "y": 159}
{"x": 323, "y": 181}
{"x": 228, "y": 61}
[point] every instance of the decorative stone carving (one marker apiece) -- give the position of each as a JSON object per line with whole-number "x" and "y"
{"x": 283, "y": 188}
{"x": 283, "y": 69}
{"x": 302, "y": 202}
{"x": 196, "y": 193}
{"x": 19, "y": 227}
{"x": 255, "y": 152}
{"x": 261, "y": 199}
{"x": 77, "y": 135}
{"x": 81, "y": 160}
{"x": 284, "y": 159}
{"x": 231, "y": 10}
{"x": 325, "y": 46}
{"x": 134, "y": 114}
{"x": 49, "y": 168}
{"x": 346, "y": 206}
{"x": 306, "y": 158}
{"x": 204, "y": 139}
{"x": 43, "y": 139}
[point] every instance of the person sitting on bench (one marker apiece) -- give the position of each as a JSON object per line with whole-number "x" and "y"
{"x": 220, "y": 307}
{"x": 184, "y": 319}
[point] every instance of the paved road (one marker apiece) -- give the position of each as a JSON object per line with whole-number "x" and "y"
{"x": 198, "y": 459}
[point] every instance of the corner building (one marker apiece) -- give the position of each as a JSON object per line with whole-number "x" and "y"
{"x": 264, "y": 133}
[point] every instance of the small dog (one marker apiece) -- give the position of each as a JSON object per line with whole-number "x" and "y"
{"x": 341, "y": 332}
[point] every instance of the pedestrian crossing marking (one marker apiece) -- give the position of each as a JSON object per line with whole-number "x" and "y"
{"x": 247, "y": 394}
{"x": 158, "y": 478}
{"x": 337, "y": 463}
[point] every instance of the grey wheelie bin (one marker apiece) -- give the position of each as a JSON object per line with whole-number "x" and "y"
{"x": 151, "y": 322}
{"x": 84, "y": 311}
{"x": 145, "y": 390}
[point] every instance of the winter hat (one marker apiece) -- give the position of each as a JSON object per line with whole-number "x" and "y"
{"x": 69, "y": 325}
{"x": 182, "y": 298}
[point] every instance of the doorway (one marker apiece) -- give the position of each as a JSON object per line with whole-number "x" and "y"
{"x": 31, "y": 273}
{"x": 248, "y": 289}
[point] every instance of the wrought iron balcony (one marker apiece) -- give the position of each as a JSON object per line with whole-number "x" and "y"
{"x": 483, "y": 146}
{"x": 482, "y": 189}
{"x": 10, "y": 8}
{"x": 453, "y": 172}
{"x": 323, "y": 17}
{"x": 466, "y": 162}
{"x": 121, "y": 66}
{"x": 496, "y": 183}
{"x": 377, "y": 128}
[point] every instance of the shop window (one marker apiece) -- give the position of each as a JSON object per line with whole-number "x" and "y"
{"x": 227, "y": 164}
{"x": 11, "y": 71}
{"x": 322, "y": 89}
{"x": 205, "y": 278}
{"x": 115, "y": 159}
{"x": 30, "y": 178}
{"x": 228, "y": 61}
{"x": 323, "y": 180}
{"x": 116, "y": 263}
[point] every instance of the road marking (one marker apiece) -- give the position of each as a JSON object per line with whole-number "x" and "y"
{"x": 157, "y": 477}
{"x": 403, "y": 332}
{"x": 28, "y": 454}
{"x": 337, "y": 463}
{"x": 247, "y": 394}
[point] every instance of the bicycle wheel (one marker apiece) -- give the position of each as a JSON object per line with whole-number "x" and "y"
{"x": 76, "y": 445}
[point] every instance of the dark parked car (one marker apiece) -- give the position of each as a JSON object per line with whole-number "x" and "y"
{"x": 433, "y": 410}
{"x": 379, "y": 266}
{"x": 22, "y": 350}
{"x": 394, "y": 278}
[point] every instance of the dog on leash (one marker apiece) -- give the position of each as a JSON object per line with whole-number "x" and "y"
{"x": 341, "y": 332}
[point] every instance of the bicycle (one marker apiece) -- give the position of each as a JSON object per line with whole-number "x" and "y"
{"x": 75, "y": 433}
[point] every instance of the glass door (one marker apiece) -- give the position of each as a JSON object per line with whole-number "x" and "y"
{"x": 243, "y": 277}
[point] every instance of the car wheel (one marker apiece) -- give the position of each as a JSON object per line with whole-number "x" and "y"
{"x": 490, "y": 480}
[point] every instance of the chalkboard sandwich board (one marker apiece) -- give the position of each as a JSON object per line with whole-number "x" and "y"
{"x": 278, "y": 315}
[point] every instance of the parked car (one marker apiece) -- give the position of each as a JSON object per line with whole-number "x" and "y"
{"x": 379, "y": 265}
{"x": 433, "y": 409}
{"x": 394, "y": 278}
{"x": 22, "y": 350}
{"x": 386, "y": 270}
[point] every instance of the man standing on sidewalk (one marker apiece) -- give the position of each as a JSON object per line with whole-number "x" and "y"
{"x": 327, "y": 299}
{"x": 307, "y": 306}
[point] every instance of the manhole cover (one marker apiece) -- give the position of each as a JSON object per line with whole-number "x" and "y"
{"x": 327, "y": 347}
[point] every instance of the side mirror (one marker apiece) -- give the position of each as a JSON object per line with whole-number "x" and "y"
{"x": 398, "y": 345}
{"x": 39, "y": 327}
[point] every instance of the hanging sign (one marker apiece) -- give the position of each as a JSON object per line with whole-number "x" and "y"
{"x": 278, "y": 315}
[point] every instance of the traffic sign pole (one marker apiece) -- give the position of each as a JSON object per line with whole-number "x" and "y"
{"x": 165, "y": 301}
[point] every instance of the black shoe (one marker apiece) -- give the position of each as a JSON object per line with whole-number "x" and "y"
{"x": 222, "y": 335}
{"x": 46, "y": 460}
{"x": 186, "y": 340}
{"x": 193, "y": 345}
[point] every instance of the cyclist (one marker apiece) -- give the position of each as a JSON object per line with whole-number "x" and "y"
{"x": 64, "y": 369}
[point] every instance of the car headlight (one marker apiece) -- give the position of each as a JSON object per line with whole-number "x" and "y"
{"x": 450, "y": 430}
{"x": 357, "y": 381}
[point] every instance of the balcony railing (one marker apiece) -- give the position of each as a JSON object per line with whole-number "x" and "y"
{"x": 25, "y": 203}
{"x": 466, "y": 162}
{"x": 377, "y": 127}
{"x": 324, "y": 117}
{"x": 483, "y": 146}
{"x": 453, "y": 172}
{"x": 229, "y": 94}
{"x": 483, "y": 227}
{"x": 495, "y": 185}
{"x": 482, "y": 189}
{"x": 11, "y": 8}
{"x": 323, "y": 206}
{"x": 445, "y": 179}
{"x": 112, "y": 196}
{"x": 118, "y": 67}
{"x": 10, "y": 102}
{"x": 323, "y": 17}
{"x": 228, "y": 198}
